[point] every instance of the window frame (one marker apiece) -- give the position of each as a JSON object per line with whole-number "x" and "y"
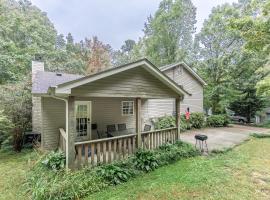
{"x": 122, "y": 108}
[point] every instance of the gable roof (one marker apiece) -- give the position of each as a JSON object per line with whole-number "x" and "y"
{"x": 189, "y": 69}
{"x": 65, "y": 88}
{"x": 44, "y": 80}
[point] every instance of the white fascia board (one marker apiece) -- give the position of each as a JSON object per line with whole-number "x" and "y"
{"x": 67, "y": 88}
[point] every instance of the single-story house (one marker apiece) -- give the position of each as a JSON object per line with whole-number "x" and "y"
{"x": 105, "y": 115}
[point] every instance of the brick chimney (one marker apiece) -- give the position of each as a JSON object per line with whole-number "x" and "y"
{"x": 36, "y": 100}
{"x": 36, "y": 66}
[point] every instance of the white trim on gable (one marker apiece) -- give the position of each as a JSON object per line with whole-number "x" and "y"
{"x": 189, "y": 69}
{"x": 65, "y": 88}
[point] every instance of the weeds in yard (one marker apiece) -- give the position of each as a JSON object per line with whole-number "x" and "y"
{"x": 260, "y": 135}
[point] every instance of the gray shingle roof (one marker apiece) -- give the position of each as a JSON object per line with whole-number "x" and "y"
{"x": 44, "y": 80}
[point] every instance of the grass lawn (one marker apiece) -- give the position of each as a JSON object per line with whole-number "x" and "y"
{"x": 12, "y": 174}
{"x": 243, "y": 173}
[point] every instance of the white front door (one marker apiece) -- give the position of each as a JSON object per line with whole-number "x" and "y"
{"x": 83, "y": 120}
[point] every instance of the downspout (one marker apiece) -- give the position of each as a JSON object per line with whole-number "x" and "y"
{"x": 66, "y": 103}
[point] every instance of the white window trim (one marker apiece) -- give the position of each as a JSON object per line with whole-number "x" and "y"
{"x": 122, "y": 104}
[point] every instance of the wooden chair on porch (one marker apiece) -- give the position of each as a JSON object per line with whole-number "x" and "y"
{"x": 110, "y": 128}
{"x": 122, "y": 127}
{"x": 147, "y": 128}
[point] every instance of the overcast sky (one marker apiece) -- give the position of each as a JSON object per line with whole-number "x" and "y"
{"x": 113, "y": 21}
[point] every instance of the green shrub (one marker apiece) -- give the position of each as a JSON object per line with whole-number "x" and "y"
{"x": 217, "y": 120}
{"x": 183, "y": 124}
{"x": 165, "y": 122}
{"x": 260, "y": 135}
{"x": 265, "y": 124}
{"x": 55, "y": 160}
{"x": 145, "y": 160}
{"x": 169, "y": 153}
{"x": 115, "y": 173}
{"x": 197, "y": 120}
{"x": 6, "y": 127}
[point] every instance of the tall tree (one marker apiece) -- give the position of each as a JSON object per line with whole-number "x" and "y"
{"x": 255, "y": 29}
{"x": 25, "y": 31}
{"x": 168, "y": 34}
{"x": 60, "y": 42}
{"x": 100, "y": 55}
{"x": 125, "y": 55}
{"x": 219, "y": 54}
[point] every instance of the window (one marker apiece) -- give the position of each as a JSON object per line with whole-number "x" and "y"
{"x": 127, "y": 108}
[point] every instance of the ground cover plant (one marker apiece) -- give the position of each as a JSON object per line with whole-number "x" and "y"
{"x": 47, "y": 182}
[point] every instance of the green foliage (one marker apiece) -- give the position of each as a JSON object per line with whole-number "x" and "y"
{"x": 5, "y": 128}
{"x": 145, "y": 160}
{"x": 217, "y": 120}
{"x": 260, "y": 135}
{"x": 218, "y": 51}
{"x": 55, "y": 160}
{"x": 168, "y": 34}
{"x": 115, "y": 173}
{"x": 265, "y": 124}
{"x": 197, "y": 120}
{"x": 17, "y": 106}
{"x": 25, "y": 33}
{"x": 44, "y": 184}
{"x": 247, "y": 104}
{"x": 169, "y": 153}
{"x": 165, "y": 122}
{"x": 184, "y": 125}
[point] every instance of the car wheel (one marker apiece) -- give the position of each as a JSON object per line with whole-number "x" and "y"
{"x": 241, "y": 121}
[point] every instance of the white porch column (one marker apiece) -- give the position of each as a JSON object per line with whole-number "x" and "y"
{"x": 138, "y": 122}
{"x": 177, "y": 110}
{"x": 71, "y": 133}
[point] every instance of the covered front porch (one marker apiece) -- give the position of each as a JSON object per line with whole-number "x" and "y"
{"x": 105, "y": 113}
{"x": 94, "y": 140}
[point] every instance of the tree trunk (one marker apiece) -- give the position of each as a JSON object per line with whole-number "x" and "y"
{"x": 17, "y": 139}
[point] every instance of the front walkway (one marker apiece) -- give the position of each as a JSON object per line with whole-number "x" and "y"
{"x": 225, "y": 137}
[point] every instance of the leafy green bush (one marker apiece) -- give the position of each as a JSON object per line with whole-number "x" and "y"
{"x": 55, "y": 160}
{"x": 165, "y": 122}
{"x": 169, "y": 153}
{"x": 183, "y": 124}
{"x": 145, "y": 160}
{"x": 5, "y": 129}
{"x": 265, "y": 124}
{"x": 115, "y": 173}
{"x": 217, "y": 120}
{"x": 197, "y": 120}
{"x": 260, "y": 135}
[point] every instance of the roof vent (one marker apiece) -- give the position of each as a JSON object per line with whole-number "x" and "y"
{"x": 58, "y": 74}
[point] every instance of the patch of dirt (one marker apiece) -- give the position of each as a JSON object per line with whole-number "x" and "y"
{"x": 261, "y": 179}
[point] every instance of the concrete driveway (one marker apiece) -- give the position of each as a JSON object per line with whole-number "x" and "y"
{"x": 225, "y": 137}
